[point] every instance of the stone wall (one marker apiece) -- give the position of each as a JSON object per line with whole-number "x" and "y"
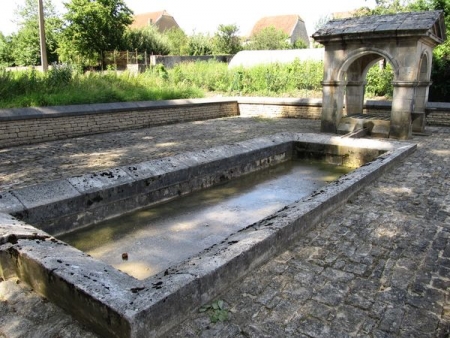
{"x": 285, "y": 108}
{"x": 438, "y": 114}
{"x": 34, "y": 125}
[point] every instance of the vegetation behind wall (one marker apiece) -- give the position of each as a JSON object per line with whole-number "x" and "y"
{"x": 64, "y": 85}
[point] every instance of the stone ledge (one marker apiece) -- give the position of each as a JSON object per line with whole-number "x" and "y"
{"x": 101, "y": 108}
{"x": 309, "y": 102}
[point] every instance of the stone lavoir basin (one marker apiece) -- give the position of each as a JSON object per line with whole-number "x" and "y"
{"x": 152, "y": 239}
{"x": 116, "y": 286}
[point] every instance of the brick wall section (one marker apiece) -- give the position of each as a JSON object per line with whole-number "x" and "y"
{"x": 34, "y": 125}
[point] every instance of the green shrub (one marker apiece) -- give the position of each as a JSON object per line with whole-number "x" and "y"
{"x": 379, "y": 81}
{"x": 58, "y": 76}
{"x": 278, "y": 79}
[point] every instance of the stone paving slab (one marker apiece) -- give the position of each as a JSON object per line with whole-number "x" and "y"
{"x": 378, "y": 267}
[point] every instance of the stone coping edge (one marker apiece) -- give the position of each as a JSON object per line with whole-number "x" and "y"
{"x": 114, "y": 304}
{"x": 102, "y": 108}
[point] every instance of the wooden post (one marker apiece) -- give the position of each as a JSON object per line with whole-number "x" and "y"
{"x": 44, "y": 61}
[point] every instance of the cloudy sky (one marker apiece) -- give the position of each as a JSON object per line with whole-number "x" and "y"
{"x": 204, "y": 16}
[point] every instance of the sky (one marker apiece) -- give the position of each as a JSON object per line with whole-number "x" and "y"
{"x": 205, "y": 16}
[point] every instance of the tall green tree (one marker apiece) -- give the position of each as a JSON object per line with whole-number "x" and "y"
{"x": 269, "y": 38}
{"x": 178, "y": 41}
{"x": 147, "y": 39}
{"x": 5, "y": 51}
{"x": 93, "y": 27}
{"x": 200, "y": 44}
{"x": 226, "y": 40}
{"x": 25, "y": 45}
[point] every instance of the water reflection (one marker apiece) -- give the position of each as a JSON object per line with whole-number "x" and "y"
{"x": 161, "y": 235}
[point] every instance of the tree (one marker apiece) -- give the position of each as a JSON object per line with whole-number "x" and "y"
{"x": 269, "y": 38}
{"x": 178, "y": 41}
{"x": 226, "y": 40}
{"x": 93, "y": 27}
{"x": 25, "y": 48}
{"x": 299, "y": 44}
{"x": 200, "y": 44}
{"x": 5, "y": 51}
{"x": 147, "y": 39}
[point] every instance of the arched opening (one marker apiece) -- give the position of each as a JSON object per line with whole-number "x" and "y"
{"x": 366, "y": 70}
{"x": 424, "y": 69}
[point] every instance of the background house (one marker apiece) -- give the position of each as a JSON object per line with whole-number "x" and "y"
{"x": 292, "y": 25}
{"x": 162, "y": 20}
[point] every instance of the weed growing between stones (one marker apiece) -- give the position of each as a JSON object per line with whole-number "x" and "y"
{"x": 216, "y": 311}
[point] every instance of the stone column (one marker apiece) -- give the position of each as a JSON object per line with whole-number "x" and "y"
{"x": 354, "y": 97}
{"x": 421, "y": 98}
{"x": 402, "y": 107}
{"x": 332, "y": 104}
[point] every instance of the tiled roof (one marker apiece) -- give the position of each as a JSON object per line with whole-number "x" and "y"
{"x": 412, "y": 23}
{"x": 286, "y": 23}
{"x": 143, "y": 20}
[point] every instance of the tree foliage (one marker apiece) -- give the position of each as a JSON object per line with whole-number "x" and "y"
{"x": 178, "y": 41}
{"x": 269, "y": 38}
{"x": 25, "y": 44}
{"x": 226, "y": 40}
{"x": 299, "y": 44}
{"x": 5, "y": 51}
{"x": 147, "y": 39}
{"x": 93, "y": 26}
{"x": 200, "y": 44}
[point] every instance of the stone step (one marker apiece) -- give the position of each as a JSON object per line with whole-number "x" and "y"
{"x": 378, "y": 125}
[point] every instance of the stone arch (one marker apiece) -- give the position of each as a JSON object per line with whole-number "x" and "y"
{"x": 425, "y": 66}
{"x": 366, "y": 51}
{"x": 353, "y": 45}
{"x": 423, "y": 82}
{"x": 352, "y": 74}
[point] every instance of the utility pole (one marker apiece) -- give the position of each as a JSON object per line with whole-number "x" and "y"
{"x": 44, "y": 62}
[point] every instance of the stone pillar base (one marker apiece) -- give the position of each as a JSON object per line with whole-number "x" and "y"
{"x": 400, "y": 125}
{"x": 418, "y": 122}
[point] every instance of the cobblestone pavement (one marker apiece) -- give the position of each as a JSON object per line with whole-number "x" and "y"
{"x": 378, "y": 267}
{"x": 26, "y": 165}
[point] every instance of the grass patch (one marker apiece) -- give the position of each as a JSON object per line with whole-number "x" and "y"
{"x": 32, "y": 88}
{"x": 64, "y": 85}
